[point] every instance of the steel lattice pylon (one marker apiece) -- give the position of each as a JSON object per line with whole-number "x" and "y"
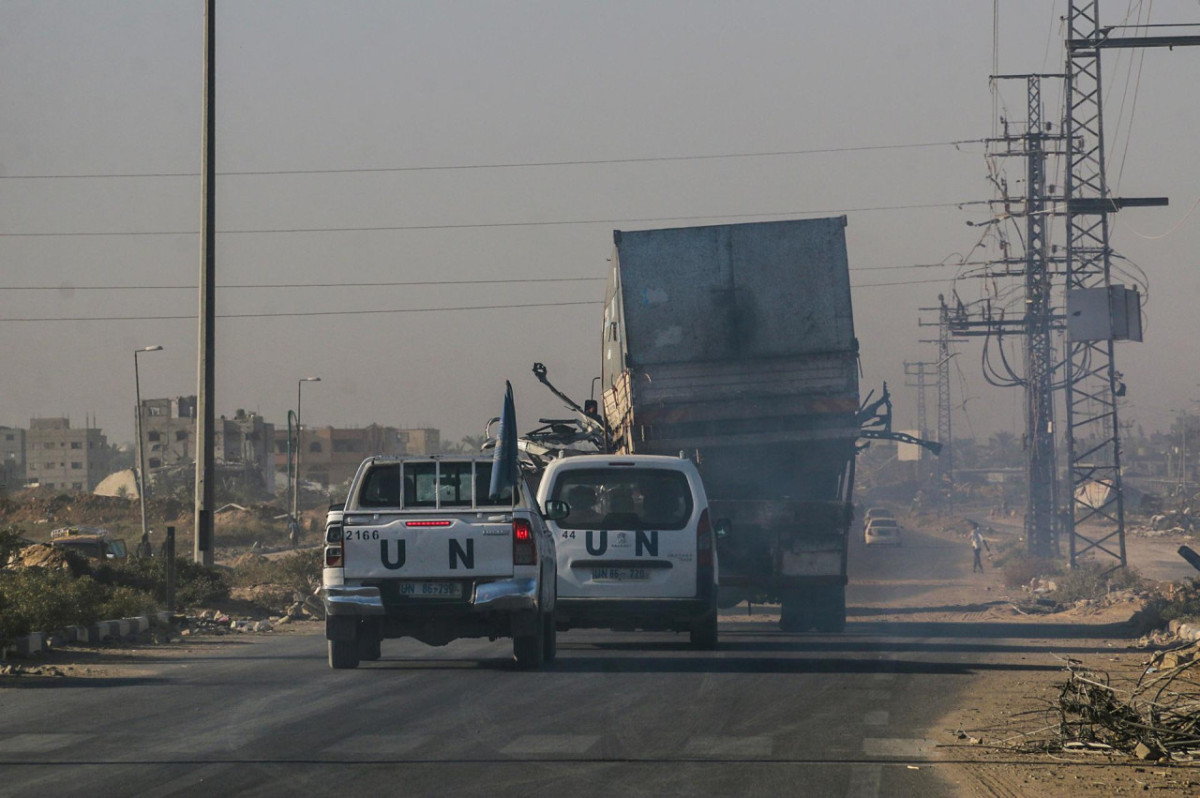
{"x": 1040, "y": 521}
{"x": 1091, "y": 402}
{"x": 945, "y": 462}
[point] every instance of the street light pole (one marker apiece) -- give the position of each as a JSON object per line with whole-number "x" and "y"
{"x": 299, "y": 449}
{"x": 141, "y": 470}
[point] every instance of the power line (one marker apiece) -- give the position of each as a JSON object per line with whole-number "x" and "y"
{"x": 192, "y": 286}
{"x": 489, "y": 225}
{"x": 362, "y": 312}
{"x": 511, "y": 165}
{"x": 192, "y": 317}
{"x": 414, "y": 283}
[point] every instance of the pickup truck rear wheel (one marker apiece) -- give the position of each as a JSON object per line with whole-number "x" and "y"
{"x": 529, "y": 648}
{"x": 370, "y": 646}
{"x": 550, "y": 644}
{"x": 343, "y": 654}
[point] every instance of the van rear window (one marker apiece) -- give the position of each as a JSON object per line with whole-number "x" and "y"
{"x": 624, "y": 498}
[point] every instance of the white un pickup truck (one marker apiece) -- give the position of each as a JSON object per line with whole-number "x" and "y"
{"x": 420, "y": 550}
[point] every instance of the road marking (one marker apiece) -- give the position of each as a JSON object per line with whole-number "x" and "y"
{"x": 864, "y": 781}
{"x": 550, "y": 744}
{"x": 876, "y": 717}
{"x": 907, "y": 747}
{"x": 34, "y": 743}
{"x": 375, "y": 744}
{"x": 729, "y": 746}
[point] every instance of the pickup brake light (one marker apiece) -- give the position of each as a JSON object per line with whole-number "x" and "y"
{"x": 333, "y": 547}
{"x": 524, "y": 546}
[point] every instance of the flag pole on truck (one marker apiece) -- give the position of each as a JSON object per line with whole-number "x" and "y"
{"x": 505, "y": 470}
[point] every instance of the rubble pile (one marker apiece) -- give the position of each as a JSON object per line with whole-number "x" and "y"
{"x": 1156, "y": 716}
{"x": 1181, "y": 522}
{"x": 41, "y": 555}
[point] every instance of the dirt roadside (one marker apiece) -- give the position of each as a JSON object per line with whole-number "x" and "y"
{"x": 132, "y": 659}
{"x": 978, "y": 739}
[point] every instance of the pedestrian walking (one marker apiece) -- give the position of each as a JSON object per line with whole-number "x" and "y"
{"x": 978, "y": 544}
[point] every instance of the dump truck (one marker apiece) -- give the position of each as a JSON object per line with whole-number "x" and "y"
{"x": 733, "y": 345}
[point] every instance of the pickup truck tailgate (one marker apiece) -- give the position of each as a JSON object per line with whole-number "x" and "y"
{"x": 446, "y": 546}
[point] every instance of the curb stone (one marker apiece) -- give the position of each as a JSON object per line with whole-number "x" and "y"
{"x": 37, "y": 642}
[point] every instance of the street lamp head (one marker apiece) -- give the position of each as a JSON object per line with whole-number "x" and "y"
{"x": 310, "y": 379}
{"x": 155, "y": 348}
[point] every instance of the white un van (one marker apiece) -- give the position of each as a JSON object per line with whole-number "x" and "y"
{"x": 636, "y": 548}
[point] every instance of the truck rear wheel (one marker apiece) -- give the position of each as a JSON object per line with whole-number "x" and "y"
{"x": 795, "y": 614}
{"x": 343, "y": 654}
{"x": 529, "y": 648}
{"x": 831, "y": 610}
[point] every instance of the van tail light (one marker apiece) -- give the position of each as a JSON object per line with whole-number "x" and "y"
{"x": 524, "y": 546}
{"x": 333, "y": 547}
{"x": 704, "y": 541}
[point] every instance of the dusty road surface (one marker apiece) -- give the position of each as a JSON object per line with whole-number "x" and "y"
{"x": 929, "y": 647}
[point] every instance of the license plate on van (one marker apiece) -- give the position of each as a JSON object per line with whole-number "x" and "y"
{"x": 620, "y": 574}
{"x": 429, "y": 589}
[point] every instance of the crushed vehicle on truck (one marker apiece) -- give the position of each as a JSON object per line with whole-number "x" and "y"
{"x": 420, "y": 549}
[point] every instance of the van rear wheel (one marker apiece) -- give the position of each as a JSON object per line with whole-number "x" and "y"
{"x": 704, "y": 633}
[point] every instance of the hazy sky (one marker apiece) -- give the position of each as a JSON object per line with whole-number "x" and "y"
{"x": 114, "y": 88}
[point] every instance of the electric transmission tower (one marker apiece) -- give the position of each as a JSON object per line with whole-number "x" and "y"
{"x": 1041, "y": 473}
{"x": 945, "y": 462}
{"x": 1093, "y": 383}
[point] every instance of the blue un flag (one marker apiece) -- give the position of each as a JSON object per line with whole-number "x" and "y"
{"x": 505, "y": 470}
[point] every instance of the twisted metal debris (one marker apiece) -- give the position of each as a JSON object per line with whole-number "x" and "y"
{"x": 1154, "y": 716}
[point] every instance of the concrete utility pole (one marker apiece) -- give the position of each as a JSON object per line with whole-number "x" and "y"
{"x": 203, "y": 547}
{"x": 141, "y": 446}
{"x": 299, "y": 448}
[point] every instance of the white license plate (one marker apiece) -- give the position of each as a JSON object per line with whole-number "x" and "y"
{"x": 620, "y": 574}
{"x": 430, "y": 589}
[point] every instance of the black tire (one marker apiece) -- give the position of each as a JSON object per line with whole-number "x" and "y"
{"x": 550, "y": 645}
{"x": 831, "y": 613}
{"x": 529, "y": 650}
{"x": 795, "y": 615}
{"x": 343, "y": 655}
{"x": 370, "y": 646}
{"x": 704, "y": 633}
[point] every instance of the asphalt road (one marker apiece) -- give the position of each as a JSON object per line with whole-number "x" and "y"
{"x": 617, "y": 714}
